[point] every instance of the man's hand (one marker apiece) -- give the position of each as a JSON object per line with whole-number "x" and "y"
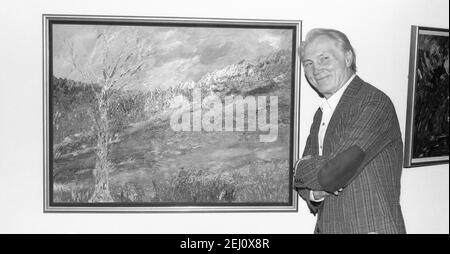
{"x": 336, "y": 193}
{"x": 323, "y": 194}
{"x": 318, "y": 195}
{"x": 307, "y": 157}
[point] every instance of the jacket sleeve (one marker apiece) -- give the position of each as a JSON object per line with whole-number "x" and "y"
{"x": 373, "y": 129}
{"x": 313, "y": 206}
{"x": 303, "y": 192}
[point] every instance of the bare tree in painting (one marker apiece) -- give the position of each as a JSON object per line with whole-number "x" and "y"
{"x": 117, "y": 60}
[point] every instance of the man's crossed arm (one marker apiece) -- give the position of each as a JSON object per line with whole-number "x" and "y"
{"x": 372, "y": 130}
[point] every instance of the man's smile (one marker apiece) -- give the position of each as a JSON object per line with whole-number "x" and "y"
{"x": 321, "y": 77}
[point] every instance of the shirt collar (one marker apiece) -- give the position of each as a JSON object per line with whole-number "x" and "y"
{"x": 331, "y": 103}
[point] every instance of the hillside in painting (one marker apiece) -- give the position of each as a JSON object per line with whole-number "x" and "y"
{"x": 153, "y": 163}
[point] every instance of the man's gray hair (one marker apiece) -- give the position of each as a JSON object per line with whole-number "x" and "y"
{"x": 339, "y": 37}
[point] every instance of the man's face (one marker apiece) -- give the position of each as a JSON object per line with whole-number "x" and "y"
{"x": 327, "y": 68}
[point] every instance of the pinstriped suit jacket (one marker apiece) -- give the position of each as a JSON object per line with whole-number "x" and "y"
{"x": 364, "y": 118}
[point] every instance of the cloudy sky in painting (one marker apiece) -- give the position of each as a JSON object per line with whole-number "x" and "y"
{"x": 179, "y": 54}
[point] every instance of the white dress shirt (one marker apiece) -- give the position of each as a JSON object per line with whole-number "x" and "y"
{"x": 328, "y": 106}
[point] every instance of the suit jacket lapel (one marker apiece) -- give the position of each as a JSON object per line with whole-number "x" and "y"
{"x": 341, "y": 109}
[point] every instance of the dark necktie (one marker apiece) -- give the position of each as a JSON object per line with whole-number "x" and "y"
{"x": 315, "y": 131}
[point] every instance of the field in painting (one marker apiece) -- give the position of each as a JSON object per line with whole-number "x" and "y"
{"x": 150, "y": 162}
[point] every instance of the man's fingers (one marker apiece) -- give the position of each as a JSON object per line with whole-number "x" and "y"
{"x": 307, "y": 157}
{"x": 338, "y": 191}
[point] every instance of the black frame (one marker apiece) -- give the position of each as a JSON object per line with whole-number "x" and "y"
{"x": 410, "y": 160}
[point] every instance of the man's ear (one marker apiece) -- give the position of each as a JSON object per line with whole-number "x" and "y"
{"x": 348, "y": 58}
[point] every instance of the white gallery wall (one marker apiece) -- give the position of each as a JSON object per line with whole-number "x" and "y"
{"x": 379, "y": 31}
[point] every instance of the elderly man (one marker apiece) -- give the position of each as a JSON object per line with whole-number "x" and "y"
{"x": 352, "y": 163}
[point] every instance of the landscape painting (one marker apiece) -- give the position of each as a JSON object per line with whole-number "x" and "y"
{"x": 428, "y": 100}
{"x": 152, "y": 114}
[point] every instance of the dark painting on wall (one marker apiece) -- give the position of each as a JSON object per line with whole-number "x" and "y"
{"x": 163, "y": 115}
{"x": 427, "y": 130}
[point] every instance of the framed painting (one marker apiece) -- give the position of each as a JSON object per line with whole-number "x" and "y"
{"x": 145, "y": 114}
{"x": 426, "y": 141}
